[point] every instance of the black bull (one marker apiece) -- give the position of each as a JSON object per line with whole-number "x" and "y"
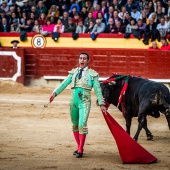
{"x": 143, "y": 97}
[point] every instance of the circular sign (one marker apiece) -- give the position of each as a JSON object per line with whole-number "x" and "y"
{"x": 38, "y": 41}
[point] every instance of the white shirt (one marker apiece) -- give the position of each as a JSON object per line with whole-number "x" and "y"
{"x": 84, "y": 69}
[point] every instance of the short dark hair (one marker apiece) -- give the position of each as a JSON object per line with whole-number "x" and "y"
{"x": 88, "y": 57}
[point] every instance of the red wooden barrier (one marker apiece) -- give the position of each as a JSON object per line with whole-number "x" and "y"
{"x": 12, "y": 64}
{"x": 56, "y": 62}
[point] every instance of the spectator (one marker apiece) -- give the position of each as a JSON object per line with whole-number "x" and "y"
{"x": 28, "y": 26}
{"x": 41, "y": 8}
{"x": 147, "y": 11}
{"x": 135, "y": 14}
{"x": 80, "y": 27}
{"x": 109, "y": 14}
{"x": 90, "y": 27}
{"x": 141, "y": 26}
{"x": 89, "y": 18}
{"x": 36, "y": 28}
{"x": 104, "y": 7}
{"x": 4, "y": 6}
{"x": 26, "y": 7}
{"x": 83, "y": 13}
{"x": 82, "y": 4}
{"x": 48, "y": 27}
{"x": 165, "y": 46}
{"x": 70, "y": 27}
{"x": 128, "y": 18}
{"x": 42, "y": 19}
{"x": 144, "y": 18}
{"x": 76, "y": 18}
{"x": 116, "y": 6}
{"x": 23, "y": 18}
{"x": 75, "y": 5}
{"x": 132, "y": 28}
{"x": 12, "y": 17}
{"x": 154, "y": 46}
{"x": 15, "y": 43}
{"x": 143, "y": 4}
{"x": 154, "y": 17}
{"x": 11, "y": 10}
{"x": 33, "y": 9}
{"x": 65, "y": 18}
{"x": 99, "y": 27}
{"x": 96, "y": 11}
{"x": 118, "y": 28}
{"x": 159, "y": 13}
{"x": 151, "y": 6}
{"x": 4, "y": 27}
{"x": 150, "y": 31}
{"x": 168, "y": 9}
{"x": 162, "y": 27}
{"x": 73, "y": 12}
{"x": 128, "y": 6}
{"x": 116, "y": 17}
{"x": 62, "y": 6}
{"x": 15, "y": 26}
{"x": 159, "y": 5}
{"x": 32, "y": 16}
{"x": 110, "y": 27}
{"x": 89, "y": 7}
{"x": 19, "y": 12}
{"x": 101, "y": 17}
{"x": 53, "y": 12}
{"x": 122, "y": 14}
{"x": 59, "y": 27}
{"x": 95, "y": 2}
{"x": 167, "y": 21}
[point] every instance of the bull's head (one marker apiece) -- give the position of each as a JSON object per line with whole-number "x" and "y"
{"x": 108, "y": 88}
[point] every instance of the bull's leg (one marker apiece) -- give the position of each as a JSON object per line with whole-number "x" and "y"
{"x": 128, "y": 123}
{"x": 148, "y": 133}
{"x": 141, "y": 122}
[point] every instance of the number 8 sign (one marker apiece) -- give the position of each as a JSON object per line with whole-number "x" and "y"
{"x": 38, "y": 41}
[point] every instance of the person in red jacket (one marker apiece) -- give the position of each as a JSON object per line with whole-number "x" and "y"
{"x": 165, "y": 46}
{"x": 154, "y": 46}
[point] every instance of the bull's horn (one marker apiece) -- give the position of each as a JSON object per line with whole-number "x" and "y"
{"x": 112, "y": 83}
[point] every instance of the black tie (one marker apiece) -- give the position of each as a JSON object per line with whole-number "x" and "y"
{"x": 80, "y": 74}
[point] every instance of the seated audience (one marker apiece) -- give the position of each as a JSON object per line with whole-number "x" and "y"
{"x": 110, "y": 27}
{"x": 36, "y": 28}
{"x": 53, "y": 12}
{"x": 165, "y": 46}
{"x": 48, "y": 26}
{"x": 99, "y": 27}
{"x": 4, "y": 27}
{"x": 15, "y": 26}
{"x": 70, "y": 27}
{"x": 80, "y": 27}
{"x": 154, "y": 46}
{"x": 118, "y": 28}
{"x": 28, "y": 26}
{"x": 59, "y": 27}
{"x": 90, "y": 27}
{"x": 150, "y": 32}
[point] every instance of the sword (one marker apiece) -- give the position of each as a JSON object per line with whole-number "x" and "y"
{"x": 45, "y": 106}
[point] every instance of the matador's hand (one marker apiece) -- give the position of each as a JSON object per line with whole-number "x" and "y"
{"x": 52, "y": 97}
{"x": 104, "y": 109}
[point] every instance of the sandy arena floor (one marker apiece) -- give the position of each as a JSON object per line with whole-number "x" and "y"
{"x": 48, "y": 143}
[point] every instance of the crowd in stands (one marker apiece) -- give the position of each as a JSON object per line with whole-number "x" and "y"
{"x": 150, "y": 18}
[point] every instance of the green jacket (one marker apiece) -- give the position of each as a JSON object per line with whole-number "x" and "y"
{"x": 88, "y": 81}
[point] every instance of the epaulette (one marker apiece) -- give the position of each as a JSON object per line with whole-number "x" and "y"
{"x": 93, "y": 73}
{"x": 73, "y": 70}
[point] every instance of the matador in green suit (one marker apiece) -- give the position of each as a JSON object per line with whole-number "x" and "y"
{"x": 82, "y": 80}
